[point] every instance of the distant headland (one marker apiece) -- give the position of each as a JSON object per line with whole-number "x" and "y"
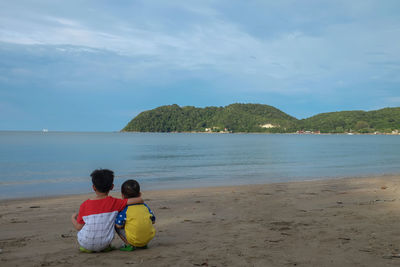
{"x": 258, "y": 118}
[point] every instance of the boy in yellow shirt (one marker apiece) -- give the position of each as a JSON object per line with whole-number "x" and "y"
{"x": 135, "y": 223}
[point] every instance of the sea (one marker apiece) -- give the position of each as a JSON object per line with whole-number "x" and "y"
{"x": 37, "y": 164}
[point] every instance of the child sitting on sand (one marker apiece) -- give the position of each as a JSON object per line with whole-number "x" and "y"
{"x": 95, "y": 220}
{"x": 135, "y": 223}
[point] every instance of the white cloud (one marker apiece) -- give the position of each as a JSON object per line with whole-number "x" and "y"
{"x": 321, "y": 54}
{"x": 62, "y": 21}
{"x": 283, "y": 62}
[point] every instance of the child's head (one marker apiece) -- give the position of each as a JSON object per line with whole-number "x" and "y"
{"x": 130, "y": 188}
{"x": 103, "y": 180}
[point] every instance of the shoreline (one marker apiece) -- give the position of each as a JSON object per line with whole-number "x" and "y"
{"x": 336, "y": 222}
{"x": 190, "y": 132}
{"x": 116, "y": 192}
{"x": 266, "y": 133}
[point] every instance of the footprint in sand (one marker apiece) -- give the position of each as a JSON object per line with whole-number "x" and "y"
{"x": 282, "y": 223}
{"x": 18, "y": 221}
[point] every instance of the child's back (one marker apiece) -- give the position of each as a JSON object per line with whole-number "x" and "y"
{"x": 136, "y": 220}
{"x": 139, "y": 228}
{"x": 98, "y": 218}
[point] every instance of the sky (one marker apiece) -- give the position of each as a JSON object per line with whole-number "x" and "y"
{"x": 94, "y": 65}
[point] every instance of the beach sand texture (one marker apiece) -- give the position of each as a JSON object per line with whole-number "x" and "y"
{"x": 341, "y": 222}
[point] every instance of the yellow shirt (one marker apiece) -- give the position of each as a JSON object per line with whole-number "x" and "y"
{"x": 139, "y": 228}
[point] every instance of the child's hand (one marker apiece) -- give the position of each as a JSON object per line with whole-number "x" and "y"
{"x": 74, "y": 221}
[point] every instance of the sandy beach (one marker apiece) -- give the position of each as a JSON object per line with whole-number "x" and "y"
{"x": 341, "y": 222}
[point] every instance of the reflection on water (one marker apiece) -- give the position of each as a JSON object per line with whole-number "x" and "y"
{"x": 36, "y": 163}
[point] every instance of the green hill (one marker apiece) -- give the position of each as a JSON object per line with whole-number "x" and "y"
{"x": 384, "y": 120}
{"x": 260, "y": 118}
{"x": 235, "y": 118}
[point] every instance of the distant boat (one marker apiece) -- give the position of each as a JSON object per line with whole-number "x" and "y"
{"x": 350, "y": 134}
{"x": 45, "y": 130}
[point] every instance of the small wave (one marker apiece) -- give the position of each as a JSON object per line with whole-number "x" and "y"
{"x": 44, "y": 181}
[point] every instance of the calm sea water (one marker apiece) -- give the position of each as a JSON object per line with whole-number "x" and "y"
{"x": 55, "y": 163}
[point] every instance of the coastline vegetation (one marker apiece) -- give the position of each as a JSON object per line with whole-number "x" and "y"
{"x": 258, "y": 118}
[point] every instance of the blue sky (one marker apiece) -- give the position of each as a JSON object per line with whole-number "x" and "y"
{"x": 94, "y": 65}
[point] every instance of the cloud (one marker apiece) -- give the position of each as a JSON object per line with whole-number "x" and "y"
{"x": 311, "y": 51}
{"x": 215, "y": 38}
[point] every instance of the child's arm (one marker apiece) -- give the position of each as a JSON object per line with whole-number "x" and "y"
{"x": 119, "y": 226}
{"x": 120, "y": 219}
{"x": 77, "y": 225}
{"x": 152, "y": 216}
{"x": 135, "y": 200}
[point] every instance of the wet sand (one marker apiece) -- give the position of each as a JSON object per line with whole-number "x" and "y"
{"x": 341, "y": 222}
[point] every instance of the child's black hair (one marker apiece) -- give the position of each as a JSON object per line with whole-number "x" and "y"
{"x": 130, "y": 188}
{"x": 103, "y": 180}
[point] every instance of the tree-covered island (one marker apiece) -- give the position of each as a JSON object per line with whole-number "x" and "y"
{"x": 258, "y": 118}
